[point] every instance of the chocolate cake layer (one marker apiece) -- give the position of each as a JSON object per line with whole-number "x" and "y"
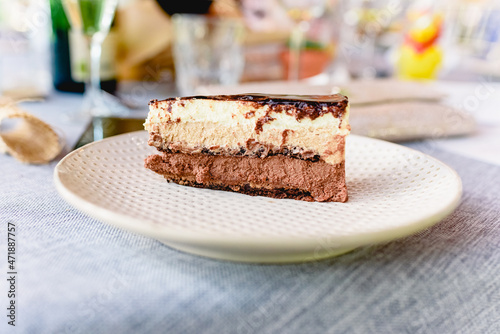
{"x": 274, "y": 176}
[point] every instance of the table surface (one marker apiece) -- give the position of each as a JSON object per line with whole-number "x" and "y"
{"x": 78, "y": 275}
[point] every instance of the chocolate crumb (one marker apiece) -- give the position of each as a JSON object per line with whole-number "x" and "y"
{"x": 171, "y": 121}
{"x": 252, "y": 149}
{"x": 261, "y": 121}
{"x": 285, "y": 136}
{"x": 251, "y": 144}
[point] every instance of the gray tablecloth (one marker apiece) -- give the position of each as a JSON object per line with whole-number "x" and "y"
{"x": 77, "y": 275}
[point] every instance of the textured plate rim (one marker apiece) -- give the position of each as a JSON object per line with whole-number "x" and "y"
{"x": 184, "y": 236}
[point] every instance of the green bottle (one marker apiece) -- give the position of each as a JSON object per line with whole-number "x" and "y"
{"x": 67, "y": 70}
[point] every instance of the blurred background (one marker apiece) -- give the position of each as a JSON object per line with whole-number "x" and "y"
{"x": 412, "y": 69}
{"x": 344, "y": 40}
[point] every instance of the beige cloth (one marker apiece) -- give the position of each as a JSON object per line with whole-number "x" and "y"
{"x": 25, "y": 137}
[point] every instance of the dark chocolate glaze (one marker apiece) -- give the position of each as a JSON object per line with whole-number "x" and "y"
{"x": 299, "y": 106}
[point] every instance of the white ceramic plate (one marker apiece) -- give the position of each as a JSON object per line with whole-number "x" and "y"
{"x": 393, "y": 192}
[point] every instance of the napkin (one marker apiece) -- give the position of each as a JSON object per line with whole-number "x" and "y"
{"x": 385, "y": 109}
{"x": 26, "y": 137}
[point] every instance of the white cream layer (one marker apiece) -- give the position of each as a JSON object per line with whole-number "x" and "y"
{"x": 228, "y": 124}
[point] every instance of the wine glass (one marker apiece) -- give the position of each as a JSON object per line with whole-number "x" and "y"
{"x": 302, "y": 12}
{"x": 93, "y": 18}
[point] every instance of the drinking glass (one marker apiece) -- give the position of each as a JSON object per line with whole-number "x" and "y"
{"x": 207, "y": 51}
{"x": 302, "y": 12}
{"x": 93, "y": 18}
{"x": 364, "y": 25}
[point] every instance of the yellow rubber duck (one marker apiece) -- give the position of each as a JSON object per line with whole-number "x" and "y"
{"x": 420, "y": 57}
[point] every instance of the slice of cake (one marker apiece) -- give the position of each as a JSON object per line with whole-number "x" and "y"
{"x": 278, "y": 146}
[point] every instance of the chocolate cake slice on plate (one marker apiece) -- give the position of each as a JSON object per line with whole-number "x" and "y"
{"x": 279, "y": 146}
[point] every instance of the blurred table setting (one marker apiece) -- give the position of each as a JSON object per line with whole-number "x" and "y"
{"x": 422, "y": 74}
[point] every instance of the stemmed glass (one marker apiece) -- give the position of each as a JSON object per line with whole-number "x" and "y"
{"x": 302, "y": 12}
{"x": 93, "y": 18}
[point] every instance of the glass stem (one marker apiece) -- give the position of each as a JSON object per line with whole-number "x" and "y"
{"x": 94, "y": 81}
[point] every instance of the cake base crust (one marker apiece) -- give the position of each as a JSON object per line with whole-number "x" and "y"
{"x": 272, "y": 176}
